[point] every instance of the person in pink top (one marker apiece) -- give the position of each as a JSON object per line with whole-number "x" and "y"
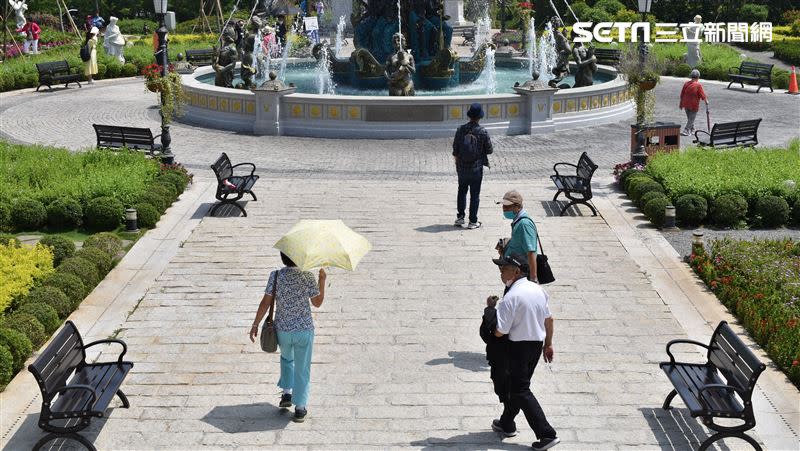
{"x": 691, "y": 94}
{"x": 31, "y": 30}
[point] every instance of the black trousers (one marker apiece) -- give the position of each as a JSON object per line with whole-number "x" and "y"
{"x": 522, "y": 359}
{"x": 469, "y": 179}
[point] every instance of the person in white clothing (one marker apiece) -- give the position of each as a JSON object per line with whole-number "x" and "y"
{"x": 524, "y": 315}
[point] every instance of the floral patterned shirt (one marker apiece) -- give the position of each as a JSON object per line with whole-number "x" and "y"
{"x": 292, "y": 300}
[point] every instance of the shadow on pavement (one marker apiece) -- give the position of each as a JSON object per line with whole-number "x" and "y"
{"x": 553, "y": 208}
{"x": 439, "y": 228}
{"x": 675, "y": 429}
{"x": 225, "y": 211}
{"x": 202, "y": 210}
{"x": 29, "y": 433}
{"x": 472, "y": 441}
{"x": 471, "y": 361}
{"x": 257, "y": 417}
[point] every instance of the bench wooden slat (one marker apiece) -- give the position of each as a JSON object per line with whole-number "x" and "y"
{"x": 136, "y": 138}
{"x": 752, "y": 73}
{"x": 243, "y": 184}
{"x": 580, "y": 183}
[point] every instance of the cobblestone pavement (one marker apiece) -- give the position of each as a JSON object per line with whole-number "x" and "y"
{"x": 397, "y": 358}
{"x": 64, "y": 118}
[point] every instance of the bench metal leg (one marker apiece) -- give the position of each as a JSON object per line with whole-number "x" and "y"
{"x": 557, "y": 194}
{"x": 575, "y": 202}
{"x": 53, "y": 436}
{"x": 253, "y": 194}
{"x": 124, "y": 399}
{"x": 669, "y": 399}
{"x": 722, "y": 435}
{"x": 729, "y": 85}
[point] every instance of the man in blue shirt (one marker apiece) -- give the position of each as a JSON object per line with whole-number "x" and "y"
{"x": 524, "y": 237}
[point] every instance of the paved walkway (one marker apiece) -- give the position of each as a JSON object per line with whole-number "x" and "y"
{"x": 397, "y": 360}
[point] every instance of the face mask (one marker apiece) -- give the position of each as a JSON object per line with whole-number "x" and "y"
{"x": 509, "y": 214}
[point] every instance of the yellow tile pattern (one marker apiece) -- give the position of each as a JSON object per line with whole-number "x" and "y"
{"x": 297, "y": 110}
{"x": 354, "y": 112}
{"x": 557, "y": 107}
{"x": 495, "y": 111}
{"x": 237, "y": 106}
{"x": 223, "y": 104}
{"x": 584, "y": 103}
{"x": 455, "y": 112}
{"x": 250, "y": 108}
{"x": 212, "y": 103}
{"x": 570, "y": 105}
{"x": 513, "y": 110}
{"x": 334, "y": 112}
{"x": 315, "y": 111}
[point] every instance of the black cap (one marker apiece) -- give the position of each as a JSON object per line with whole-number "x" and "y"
{"x": 514, "y": 260}
{"x": 475, "y": 111}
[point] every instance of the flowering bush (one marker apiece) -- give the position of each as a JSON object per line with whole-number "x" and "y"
{"x": 759, "y": 281}
{"x": 173, "y": 97}
{"x": 623, "y": 170}
{"x": 20, "y": 268}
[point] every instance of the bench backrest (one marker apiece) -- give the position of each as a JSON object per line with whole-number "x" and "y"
{"x": 753, "y": 68}
{"x": 732, "y": 131}
{"x": 607, "y": 54}
{"x": 222, "y": 167}
{"x": 737, "y": 363}
{"x": 123, "y": 135}
{"x": 53, "y": 67}
{"x": 58, "y": 361}
{"x": 199, "y": 55}
{"x": 136, "y": 135}
{"x": 586, "y": 167}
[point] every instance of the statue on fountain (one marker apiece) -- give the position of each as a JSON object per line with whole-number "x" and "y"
{"x": 694, "y": 33}
{"x": 586, "y": 62}
{"x": 225, "y": 59}
{"x": 563, "y": 51}
{"x": 19, "y": 8}
{"x": 248, "y": 68}
{"x": 399, "y": 69}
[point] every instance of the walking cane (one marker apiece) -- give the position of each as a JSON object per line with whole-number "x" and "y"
{"x": 708, "y": 119}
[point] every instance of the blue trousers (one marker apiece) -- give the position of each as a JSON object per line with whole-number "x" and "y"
{"x": 296, "y": 363}
{"x": 469, "y": 179}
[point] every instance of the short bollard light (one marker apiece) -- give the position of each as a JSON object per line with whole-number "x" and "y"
{"x": 131, "y": 222}
{"x": 697, "y": 241}
{"x": 669, "y": 217}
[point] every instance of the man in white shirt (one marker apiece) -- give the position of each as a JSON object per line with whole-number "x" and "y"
{"x": 524, "y": 315}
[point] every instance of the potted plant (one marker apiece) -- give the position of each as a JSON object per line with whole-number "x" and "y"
{"x": 171, "y": 88}
{"x": 648, "y": 80}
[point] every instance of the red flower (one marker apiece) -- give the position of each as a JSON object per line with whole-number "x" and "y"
{"x": 795, "y": 363}
{"x": 713, "y": 284}
{"x": 759, "y": 296}
{"x": 792, "y": 323}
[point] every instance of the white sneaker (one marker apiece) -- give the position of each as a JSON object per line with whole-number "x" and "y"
{"x": 473, "y": 225}
{"x": 684, "y": 132}
{"x": 459, "y": 222}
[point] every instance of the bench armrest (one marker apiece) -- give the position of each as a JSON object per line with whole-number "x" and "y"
{"x": 110, "y": 340}
{"x": 154, "y": 137}
{"x": 697, "y": 136}
{"x": 673, "y": 342}
{"x": 252, "y": 171}
{"x": 555, "y": 166}
{"x": 707, "y": 387}
{"x": 77, "y": 387}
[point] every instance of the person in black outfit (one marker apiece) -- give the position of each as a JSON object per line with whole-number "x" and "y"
{"x": 280, "y": 31}
{"x": 496, "y": 350}
{"x": 470, "y": 163}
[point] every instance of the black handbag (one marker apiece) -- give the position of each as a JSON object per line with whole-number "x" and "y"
{"x": 544, "y": 274}
{"x": 269, "y": 338}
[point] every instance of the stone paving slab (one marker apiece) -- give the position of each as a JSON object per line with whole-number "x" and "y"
{"x": 397, "y": 359}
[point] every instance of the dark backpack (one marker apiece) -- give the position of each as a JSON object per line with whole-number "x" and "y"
{"x": 86, "y": 55}
{"x": 470, "y": 149}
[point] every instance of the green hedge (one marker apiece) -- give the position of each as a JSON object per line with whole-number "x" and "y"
{"x": 788, "y": 51}
{"x": 759, "y": 282}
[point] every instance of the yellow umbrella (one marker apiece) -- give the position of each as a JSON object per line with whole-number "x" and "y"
{"x": 318, "y": 243}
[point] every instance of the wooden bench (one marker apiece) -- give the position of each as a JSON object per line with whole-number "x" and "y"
{"x": 729, "y": 134}
{"x": 710, "y": 389}
{"x": 56, "y": 72}
{"x": 752, "y": 73}
{"x": 469, "y": 36}
{"x": 580, "y": 183}
{"x": 69, "y": 403}
{"x": 608, "y": 56}
{"x": 230, "y": 187}
{"x": 200, "y": 57}
{"x": 117, "y": 137}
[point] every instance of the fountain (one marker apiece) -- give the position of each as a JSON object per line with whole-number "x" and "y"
{"x": 531, "y": 45}
{"x": 339, "y": 36}
{"x": 325, "y": 83}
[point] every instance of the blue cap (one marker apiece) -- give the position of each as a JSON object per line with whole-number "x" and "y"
{"x": 475, "y": 111}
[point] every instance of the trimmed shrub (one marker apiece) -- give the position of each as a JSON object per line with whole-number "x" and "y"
{"x": 44, "y": 313}
{"x": 28, "y": 325}
{"x": 82, "y": 268}
{"x": 796, "y": 212}
{"x": 176, "y": 180}
{"x": 106, "y": 242}
{"x": 97, "y": 256}
{"x": 69, "y": 284}
{"x": 147, "y": 215}
{"x": 682, "y": 70}
{"x": 691, "y": 209}
{"x": 751, "y": 12}
{"x": 635, "y": 179}
{"x": 773, "y": 211}
{"x": 5, "y": 216}
{"x": 28, "y": 214}
{"x": 103, "y": 213}
{"x": 164, "y": 189}
{"x": 641, "y": 189}
{"x": 62, "y": 247}
{"x": 51, "y": 296}
{"x": 64, "y": 213}
{"x": 654, "y": 210}
{"x": 154, "y": 200}
{"x": 728, "y": 210}
{"x": 628, "y": 173}
{"x": 6, "y": 366}
{"x": 647, "y": 197}
{"x": 129, "y": 70}
{"x": 18, "y": 344}
{"x": 7, "y": 239}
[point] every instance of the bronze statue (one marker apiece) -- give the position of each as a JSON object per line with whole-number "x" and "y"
{"x": 563, "y": 51}
{"x": 399, "y": 69}
{"x": 225, "y": 59}
{"x": 248, "y": 68}
{"x": 586, "y": 62}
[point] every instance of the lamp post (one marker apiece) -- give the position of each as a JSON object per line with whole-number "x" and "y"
{"x": 639, "y": 156}
{"x": 160, "y": 7}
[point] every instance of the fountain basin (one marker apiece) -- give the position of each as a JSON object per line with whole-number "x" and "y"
{"x": 383, "y": 117}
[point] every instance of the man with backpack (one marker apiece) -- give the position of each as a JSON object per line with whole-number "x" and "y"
{"x": 471, "y": 147}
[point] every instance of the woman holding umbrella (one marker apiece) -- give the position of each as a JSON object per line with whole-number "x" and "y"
{"x": 294, "y": 327}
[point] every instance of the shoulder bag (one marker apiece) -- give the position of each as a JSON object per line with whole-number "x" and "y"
{"x": 269, "y": 338}
{"x": 544, "y": 274}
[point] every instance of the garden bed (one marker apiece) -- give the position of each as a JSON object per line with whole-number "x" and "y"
{"x": 65, "y": 198}
{"x": 759, "y": 282}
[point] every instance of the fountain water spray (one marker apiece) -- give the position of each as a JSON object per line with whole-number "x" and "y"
{"x": 488, "y": 78}
{"x": 325, "y": 83}
{"x": 339, "y": 36}
{"x": 531, "y": 45}
{"x": 399, "y": 23}
{"x": 547, "y": 54}
{"x": 284, "y": 57}
{"x": 261, "y": 60}
{"x": 483, "y": 33}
